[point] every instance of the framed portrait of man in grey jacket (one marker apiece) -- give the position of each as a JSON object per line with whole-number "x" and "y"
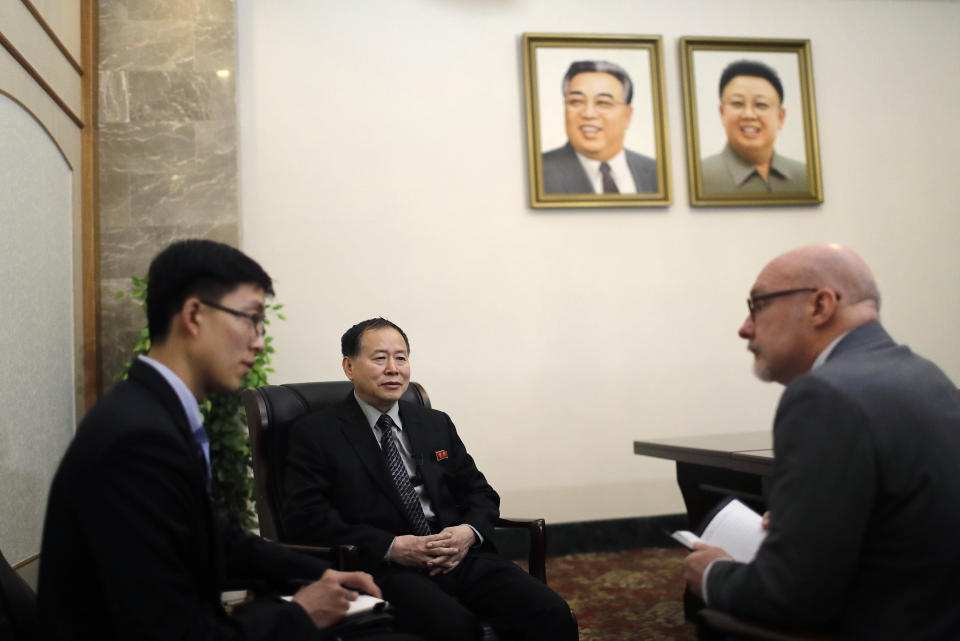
{"x": 751, "y": 122}
{"x": 596, "y": 121}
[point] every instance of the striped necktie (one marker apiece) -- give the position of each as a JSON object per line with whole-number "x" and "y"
{"x": 408, "y": 496}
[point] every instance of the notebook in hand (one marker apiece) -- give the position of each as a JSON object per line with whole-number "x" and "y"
{"x": 732, "y": 526}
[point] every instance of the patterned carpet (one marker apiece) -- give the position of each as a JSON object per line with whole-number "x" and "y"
{"x": 621, "y": 596}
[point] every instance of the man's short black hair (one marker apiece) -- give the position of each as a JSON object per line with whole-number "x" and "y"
{"x": 751, "y": 68}
{"x": 196, "y": 267}
{"x": 600, "y": 66}
{"x": 350, "y": 341}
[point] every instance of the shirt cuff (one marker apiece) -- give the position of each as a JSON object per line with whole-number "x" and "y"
{"x": 479, "y": 540}
{"x": 386, "y": 557}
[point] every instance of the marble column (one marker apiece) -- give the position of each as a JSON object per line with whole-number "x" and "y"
{"x": 168, "y": 166}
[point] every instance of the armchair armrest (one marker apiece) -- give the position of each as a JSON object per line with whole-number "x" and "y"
{"x": 343, "y": 557}
{"x": 537, "y": 529}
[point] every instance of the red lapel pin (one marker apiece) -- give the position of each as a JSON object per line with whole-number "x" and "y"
{"x": 441, "y": 455}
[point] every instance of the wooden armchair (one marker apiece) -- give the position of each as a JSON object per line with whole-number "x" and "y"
{"x": 272, "y": 410}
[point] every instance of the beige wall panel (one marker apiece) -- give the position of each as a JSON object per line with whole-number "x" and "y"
{"x": 38, "y": 337}
{"x": 63, "y": 17}
{"x": 19, "y": 84}
{"x": 19, "y": 27}
{"x": 16, "y": 82}
{"x": 395, "y": 184}
{"x": 40, "y": 259}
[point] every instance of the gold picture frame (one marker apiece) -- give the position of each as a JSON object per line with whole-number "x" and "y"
{"x": 718, "y": 127}
{"x": 633, "y": 121}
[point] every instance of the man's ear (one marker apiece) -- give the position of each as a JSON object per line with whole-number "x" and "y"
{"x": 348, "y": 367}
{"x": 824, "y": 306}
{"x": 189, "y": 316}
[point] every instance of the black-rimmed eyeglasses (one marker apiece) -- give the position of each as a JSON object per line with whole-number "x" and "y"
{"x": 259, "y": 326}
{"x": 756, "y": 303}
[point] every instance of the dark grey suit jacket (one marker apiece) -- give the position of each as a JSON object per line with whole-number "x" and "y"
{"x": 338, "y": 489}
{"x": 865, "y": 501}
{"x": 131, "y": 546}
{"x": 563, "y": 173}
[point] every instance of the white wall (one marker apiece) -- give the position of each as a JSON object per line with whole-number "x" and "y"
{"x": 383, "y": 173}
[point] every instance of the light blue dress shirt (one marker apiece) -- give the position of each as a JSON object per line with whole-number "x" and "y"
{"x": 190, "y": 406}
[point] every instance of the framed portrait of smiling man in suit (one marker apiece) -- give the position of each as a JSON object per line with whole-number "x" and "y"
{"x": 596, "y": 121}
{"x": 751, "y": 122}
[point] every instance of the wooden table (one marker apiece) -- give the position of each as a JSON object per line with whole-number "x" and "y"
{"x": 712, "y": 466}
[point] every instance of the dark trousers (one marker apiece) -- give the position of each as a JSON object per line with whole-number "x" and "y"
{"x": 484, "y": 587}
{"x": 373, "y": 636}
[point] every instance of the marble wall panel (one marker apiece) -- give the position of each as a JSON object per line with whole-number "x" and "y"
{"x": 112, "y": 10}
{"x": 215, "y": 46}
{"x": 161, "y": 9}
{"x": 136, "y": 246}
{"x": 216, "y": 146}
{"x": 219, "y": 10}
{"x": 155, "y": 45}
{"x": 147, "y": 147}
{"x": 180, "y": 96}
{"x": 183, "y": 199}
{"x": 114, "y": 199}
{"x": 114, "y": 97}
{"x": 168, "y": 165}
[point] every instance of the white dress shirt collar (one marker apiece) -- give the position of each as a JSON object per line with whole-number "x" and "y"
{"x": 825, "y": 354}
{"x": 619, "y": 171}
{"x": 373, "y": 414}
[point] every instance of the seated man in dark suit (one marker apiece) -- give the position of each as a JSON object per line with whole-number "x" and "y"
{"x": 132, "y": 548}
{"x": 596, "y": 101}
{"x": 864, "y": 496}
{"x": 395, "y": 479}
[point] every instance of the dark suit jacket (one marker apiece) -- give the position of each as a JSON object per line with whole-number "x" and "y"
{"x": 865, "y": 500}
{"x": 338, "y": 489}
{"x": 563, "y": 173}
{"x": 131, "y": 547}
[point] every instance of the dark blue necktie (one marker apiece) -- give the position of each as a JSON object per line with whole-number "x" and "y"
{"x": 200, "y": 436}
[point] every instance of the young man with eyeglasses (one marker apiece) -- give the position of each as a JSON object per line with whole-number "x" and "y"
{"x": 597, "y": 112}
{"x": 865, "y": 485}
{"x": 132, "y": 548}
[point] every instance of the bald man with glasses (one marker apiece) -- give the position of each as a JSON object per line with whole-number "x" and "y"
{"x": 865, "y": 485}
